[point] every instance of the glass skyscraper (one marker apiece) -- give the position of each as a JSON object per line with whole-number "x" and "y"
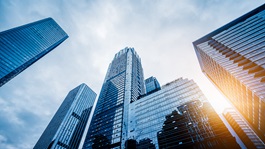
{"x": 20, "y": 47}
{"x": 68, "y": 124}
{"x": 233, "y": 58}
{"x": 123, "y": 83}
{"x": 151, "y": 85}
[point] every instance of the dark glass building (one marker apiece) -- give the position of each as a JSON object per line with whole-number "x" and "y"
{"x": 68, "y": 124}
{"x": 123, "y": 83}
{"x": 242, "y": 129}
{"x": 195, "y": 125}
{"x": 20, "y": 47}
{"x": 233, "y": 58}
{"x": 151, "y": 85}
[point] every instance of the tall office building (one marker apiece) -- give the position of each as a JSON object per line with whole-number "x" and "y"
{"x": 177, "y": 116}
{"x": 68, "y": 124}
{"x": 20, "y": 47}
{"x": 233, "y": 58}
{"x": 123, "y": 83}
{"x": 242, "y": 129}
{"x": 151, "y": 85}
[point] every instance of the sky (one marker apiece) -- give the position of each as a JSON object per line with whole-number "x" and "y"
{"x": 161, "y": 32}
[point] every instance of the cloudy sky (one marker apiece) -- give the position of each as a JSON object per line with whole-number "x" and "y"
{"x": 161, "y": 32}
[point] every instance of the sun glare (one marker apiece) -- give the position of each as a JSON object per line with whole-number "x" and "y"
{"x": 215, "y": 97}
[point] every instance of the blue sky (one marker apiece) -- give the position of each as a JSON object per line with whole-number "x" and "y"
{"x": 161, "y": 32}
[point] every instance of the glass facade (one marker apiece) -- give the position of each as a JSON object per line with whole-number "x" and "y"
{"x": 243, "y": 130}
{"x": 68, "y": 124}
{"x": 159, "y": 120}
{"x": 151, "y": 85}
{"x": 20, "y": 47}
{"x": 122, "y": 85}
{"x": 233, "y": 58}
{"x": 195, "y": 125}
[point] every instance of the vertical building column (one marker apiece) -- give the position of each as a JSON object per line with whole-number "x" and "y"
{"x": 127, "y": 98}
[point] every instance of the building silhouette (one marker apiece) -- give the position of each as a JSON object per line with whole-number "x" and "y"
{"x": 123, "y": 83}
{"x": 24, "y": 45}
{"x": 142, "y": 144}
{"x": 233, "y": 58}
{"x": 67, "y": 126}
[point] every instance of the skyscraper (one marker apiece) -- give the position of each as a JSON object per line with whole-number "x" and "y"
{"x": 68, "y": 124}
{"x": 177, "y": 116}
{"x": 123, "y": 83}
{"x": 233, "y": 58}
{"x": 151, "y": 85}
{"x": 20, "y": 47}
{"x": 243, "y": 130}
